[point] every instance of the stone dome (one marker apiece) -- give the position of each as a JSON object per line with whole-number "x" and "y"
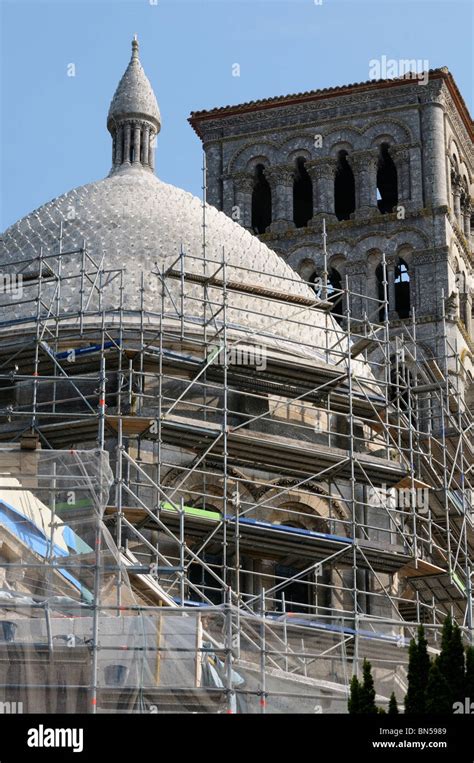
{"x": 133, "y": 227}
{"x": 136, "y": 222}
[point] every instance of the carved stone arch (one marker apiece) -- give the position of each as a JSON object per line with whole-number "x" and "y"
{"x": 248, "y": 156}
{"x": 374, "y": 240}
{"x": 306, "y": 268}
{"x": 466, "y": 175}
{"x": 341, "y": 146}
{"x": 391, "y": 131}
{"x": 192, "y": 491}
{"x": 296, "y": 146}
{"x": 298, "y": 153}
{"x": 460, "y": 165}
{"x": 344, "y": 138}
{"x": 373, "y": 256}
{"x": 378, "y": 240}
{"x": 300, "y": 254}
{"x": 412, "y": 236}
{"x": 340, "y": 246}
{"x": 454, "y": 151}
{"x": 405, "y": 251}
{"x": 310, "y": 511}
{"x": 252, "y": 163}
{"x": 455, "y": 249}
{"x": 338, "y": 260}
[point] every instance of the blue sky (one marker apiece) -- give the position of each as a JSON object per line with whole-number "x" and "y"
{"x": 53, "y": 132}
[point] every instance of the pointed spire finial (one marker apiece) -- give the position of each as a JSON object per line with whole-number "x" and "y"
{"x": 134, "y": 118}
{"x": 135, "y": 46}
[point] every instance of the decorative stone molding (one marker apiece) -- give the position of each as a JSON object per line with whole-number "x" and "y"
{"x": 279, "y": 175}
{"x": 323, "y": 168}
{"x": 243, "y": 182}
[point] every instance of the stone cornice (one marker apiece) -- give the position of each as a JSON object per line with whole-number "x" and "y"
{"x": 359, "y": 92}
{"x": 344, "y": 226}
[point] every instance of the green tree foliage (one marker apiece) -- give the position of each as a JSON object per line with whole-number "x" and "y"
{"x": 353, "y": 704}
{"x": 438, "y": 692}
{"x": 451, "y": 660}
{"x": 418, "y": 671}
{"x": 367, "y": 692}
{"x": 392, "y": 705}
{"x": 362, "y": 695}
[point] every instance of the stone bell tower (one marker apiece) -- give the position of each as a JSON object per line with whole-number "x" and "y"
{"x": 388, "y": 164}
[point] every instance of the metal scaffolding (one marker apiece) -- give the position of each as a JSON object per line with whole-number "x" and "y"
{"x": 285, "y": 510}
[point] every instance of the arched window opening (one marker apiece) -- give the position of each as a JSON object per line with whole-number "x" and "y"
{"x": 344, "y": 188}
{"x": 302, "y": 195}
{"x": 206, "y": 583}
{"x": 379, "y": 277}
{"x": 387, "y": 182}
{"x": 261, "y": 201}
{"x": 334, "y": 294}
{"x": 297, "y": 594}
{"x": 402, "y": 289}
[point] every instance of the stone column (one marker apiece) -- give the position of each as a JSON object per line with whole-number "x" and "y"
{"x": 136, "y": 144}
{"x": 391, "y": 287}
{"x": 456, "y": 186}
{"x": 322, "y": 173}
{"x": 151, "y": 149}
{"x": 357, "y": 276}
{"x": 119, "y": 146}
{"x": 468, "y": 312}
{"x": 416, "y": 178}
{"x": 364, "y": 166}
{"x": 146, "y": 144}
{"x": 242, "y": 210}
{"x": 467, "y": 211}
{"x": 432, "y": 128}
{"x": 401, "y": 159}
{"x": 126, "y": 146}
{"x": 228, "y": 194}
{"x": 281, "y": 180}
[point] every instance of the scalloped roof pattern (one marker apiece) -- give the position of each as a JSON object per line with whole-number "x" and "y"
{"x": 135, "y": 222}
{"x": 134, "y": 96}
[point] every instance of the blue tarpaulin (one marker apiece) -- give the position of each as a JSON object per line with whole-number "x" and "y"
{"x": 34, "y": 538}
